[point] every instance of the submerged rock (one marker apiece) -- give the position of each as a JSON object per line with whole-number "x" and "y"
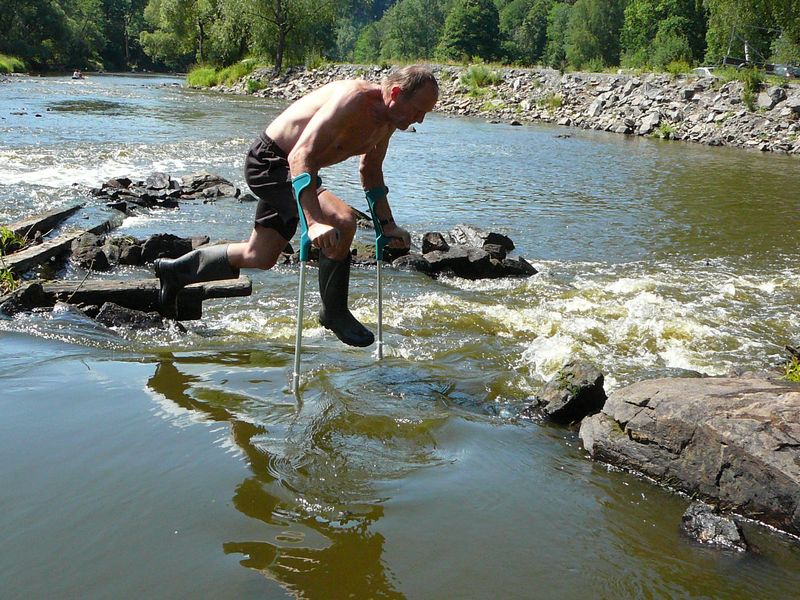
{"x": 733, "y": 440}
{"x": 113, "y": 315}
{"x": 703, "y": 523}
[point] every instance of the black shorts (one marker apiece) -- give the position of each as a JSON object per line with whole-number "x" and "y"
{"x": 266, "y": 171}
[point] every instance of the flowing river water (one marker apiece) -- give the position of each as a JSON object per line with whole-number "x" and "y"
{"x": 168, "y": 464}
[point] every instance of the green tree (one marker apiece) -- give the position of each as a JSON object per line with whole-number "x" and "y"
{"x": 471, "y": 29}
{"x": 593, "y": 33}
{"x": 555, "y": 51}
{"x": 663, "y": 28}
{"x": 411, "y": 29}
{"x": 368, "y": 44}
{"x": 180, "y": 30}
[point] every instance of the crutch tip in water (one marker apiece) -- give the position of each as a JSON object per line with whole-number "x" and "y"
{"x": 337, "y": 121}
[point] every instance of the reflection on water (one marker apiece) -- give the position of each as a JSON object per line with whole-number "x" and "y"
{"x": 301, "y": 477}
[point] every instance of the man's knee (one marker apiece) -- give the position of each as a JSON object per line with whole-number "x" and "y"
{"x": 345, "y": 222}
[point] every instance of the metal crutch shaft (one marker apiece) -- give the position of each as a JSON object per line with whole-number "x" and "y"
{"x": 373, "y": 195}
{"x": 299, "y": 183}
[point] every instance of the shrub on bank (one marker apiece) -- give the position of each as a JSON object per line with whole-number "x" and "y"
{"x": 10, "y": 64}
{"x": 208, "y": 76}
{"x": 202, "y": 76}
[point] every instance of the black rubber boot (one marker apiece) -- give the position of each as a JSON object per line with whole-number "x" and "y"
{"x": 334, "y": 280}
{"x": 204, "y": 264}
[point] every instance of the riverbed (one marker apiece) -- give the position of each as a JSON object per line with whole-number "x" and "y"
{"x": 174, "y": 464}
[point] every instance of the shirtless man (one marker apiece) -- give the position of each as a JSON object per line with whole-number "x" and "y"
{"x": 337, "y": 121}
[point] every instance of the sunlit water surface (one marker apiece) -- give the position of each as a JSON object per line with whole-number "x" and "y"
{"x": 176, "y": 465}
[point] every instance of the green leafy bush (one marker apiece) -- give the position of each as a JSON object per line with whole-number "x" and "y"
{"x": 255, "y": 85}
{"x": 678, "y": 67}
{"x": 480, "y": 76}
{"x": 793, "y": 370}
{"x": 202, "y": 76}
{"x": 10, "y": 64}
{"x": 10, "y": 241}
{"x": 235, "y": 72}
{"x": 551, "y": 101}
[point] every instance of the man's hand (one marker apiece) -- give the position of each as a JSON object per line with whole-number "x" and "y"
{"x": 323, "y": 236}
{"x": 398, "y": 237}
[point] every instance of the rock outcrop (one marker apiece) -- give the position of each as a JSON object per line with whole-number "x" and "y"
{"x": 705, "y": 525}
{"x": 735, "y": 441}
{"x": 575, "y": 392}
{"x": 160, "y": 190}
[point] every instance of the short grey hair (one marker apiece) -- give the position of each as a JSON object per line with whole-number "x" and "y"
{"x": 410, "y": 79}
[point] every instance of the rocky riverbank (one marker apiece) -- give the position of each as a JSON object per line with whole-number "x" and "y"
{"x": 732, "y": 441}
{"x": 689, "y": 108}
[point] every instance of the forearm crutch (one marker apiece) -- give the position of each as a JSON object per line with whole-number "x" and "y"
{"x": 299, "y": 183}
{"x": 381, "y": 240}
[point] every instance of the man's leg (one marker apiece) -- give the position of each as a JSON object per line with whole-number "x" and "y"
{"x": 334, "y": 275}
{"x": 261, "y": 251}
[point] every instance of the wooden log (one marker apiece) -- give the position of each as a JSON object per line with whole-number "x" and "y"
{"x": 142, "y": 294}
{"x": 43, "y": 222}
{"x": 21, "y": 261}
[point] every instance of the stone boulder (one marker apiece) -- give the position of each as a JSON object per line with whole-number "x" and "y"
{"x": 733, "y": 440}
{"x": 114, "y": 315}
{"x": 160, "y": 190}
{"x": 703, "y": 523}
{"x": 575, "y": 392}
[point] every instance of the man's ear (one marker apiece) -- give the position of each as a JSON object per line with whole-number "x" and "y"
{"x": 396, "y": 91}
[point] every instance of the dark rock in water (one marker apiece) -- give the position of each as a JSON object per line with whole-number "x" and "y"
{"x": 248, "y": 197}
{"x": 158, "y": 181}
{"x": 413, "y": 262}
{"x": 113, "y": 315}
{"x": 25, "y": 298}
{"x": 496, "y": 251}
{"x": 165, "y": 245}
{"x": 472, "y": 236}
{"x": 464, "y": 261}
{"x": 130, "y": 252}
{"x": 434, "y": 241}
{"x": 702, "y": 523}
{"x": 575, "y": 392}
{"x": 734, "y": 440}
{"x": 117, "y": 183}
{"x": 518, "y": 267}
{"x": 88, "y": 252}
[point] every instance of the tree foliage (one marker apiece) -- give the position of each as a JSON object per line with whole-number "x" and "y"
{"x": 122, "y": 34}
{"x": 471, "y": 30}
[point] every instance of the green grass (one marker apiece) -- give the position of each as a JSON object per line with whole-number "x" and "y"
{"x": 8, "y": 283}
{"x": 478, "y": 77}
{"x": 665, "y": 131}
{"x": 793, "y": 370}
{"x": 209, "y": 76}
{"x": 202, "y": 76}
{"x": 10, "y": 241}
{"x": 10, "y": 64}
{"x": 550, "y": 101}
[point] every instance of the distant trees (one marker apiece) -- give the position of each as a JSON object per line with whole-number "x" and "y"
{"x": 583, "y": 34}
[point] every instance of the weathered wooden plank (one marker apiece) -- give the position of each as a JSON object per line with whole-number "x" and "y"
{"x": 43, "y": 222}
{"x": 21, "y": 261}
{"x": 142, "y": 294}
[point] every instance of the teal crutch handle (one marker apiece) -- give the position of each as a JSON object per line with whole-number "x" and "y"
{"x": 373, "y": 195}
{"x": 299, "y": 183}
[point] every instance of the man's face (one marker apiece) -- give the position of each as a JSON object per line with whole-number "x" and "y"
{"x": 412, "y": 108}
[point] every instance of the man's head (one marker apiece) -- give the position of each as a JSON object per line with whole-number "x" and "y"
{"x": 411, "y": 92}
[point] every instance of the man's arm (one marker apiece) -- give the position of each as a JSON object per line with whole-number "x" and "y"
{"x": 371, "y": 172}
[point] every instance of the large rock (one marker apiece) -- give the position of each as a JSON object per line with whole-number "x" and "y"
{"x": 113, "y": 315}
{"x": 575, "y": 391}
{"x": 733, "y": 440}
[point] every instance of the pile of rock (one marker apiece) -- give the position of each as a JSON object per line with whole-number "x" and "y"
{"x": 103, "y": 252}
{"x": 467, "y": 252}
{"x": 160, "y": 190}
{"x": 698, "y": 109}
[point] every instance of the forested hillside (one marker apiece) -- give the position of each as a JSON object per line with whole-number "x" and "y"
{"x": 581, "y": 34}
